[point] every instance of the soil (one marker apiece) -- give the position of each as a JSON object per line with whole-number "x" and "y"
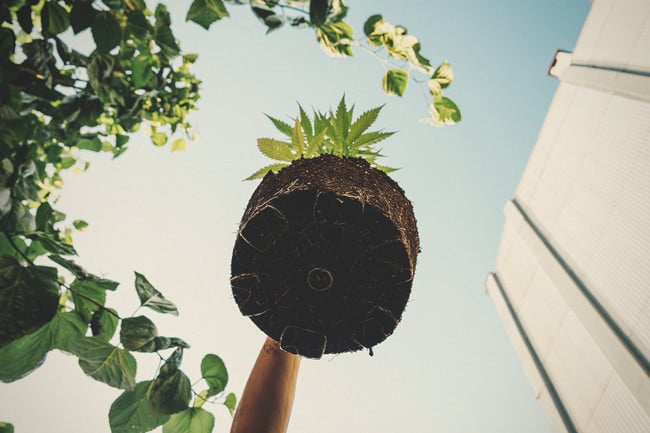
{"x": 325, "y": 256}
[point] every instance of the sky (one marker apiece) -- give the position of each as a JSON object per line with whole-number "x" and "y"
{"x": 173, "y": 216}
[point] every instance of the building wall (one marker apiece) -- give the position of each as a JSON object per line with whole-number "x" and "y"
{"x": 572, "y": 279}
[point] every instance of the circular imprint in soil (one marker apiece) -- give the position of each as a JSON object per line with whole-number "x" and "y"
{"x": 321, "y": 273}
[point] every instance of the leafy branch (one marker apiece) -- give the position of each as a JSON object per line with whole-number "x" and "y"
{"x": 335, "y": 133}
{"x": 391, "y": 44}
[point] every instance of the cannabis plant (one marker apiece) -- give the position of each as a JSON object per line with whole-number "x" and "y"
{"x": 333, "y": 133}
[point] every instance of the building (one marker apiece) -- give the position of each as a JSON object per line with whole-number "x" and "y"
{"x": 572, "y": 278}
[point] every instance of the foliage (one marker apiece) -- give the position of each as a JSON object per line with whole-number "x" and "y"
{"x": 333, "y": 133}
{"x": 392, "y": 45}
{"x": 62, "y": 95}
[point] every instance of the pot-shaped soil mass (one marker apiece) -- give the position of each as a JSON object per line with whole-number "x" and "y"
{"x": 325, "y": 256}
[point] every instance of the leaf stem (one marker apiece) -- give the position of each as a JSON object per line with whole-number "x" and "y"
{"x": 91, "y": 300}
{"x": 18, "y": 250}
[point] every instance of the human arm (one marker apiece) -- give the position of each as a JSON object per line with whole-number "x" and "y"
{"x": 267, "y": 399}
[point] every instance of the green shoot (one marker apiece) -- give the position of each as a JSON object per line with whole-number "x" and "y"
{"x": 334, "y": 133}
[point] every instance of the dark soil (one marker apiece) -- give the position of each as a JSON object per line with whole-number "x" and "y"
{"x": 325, "y": 256}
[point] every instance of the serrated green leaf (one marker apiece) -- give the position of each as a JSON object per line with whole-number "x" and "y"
{"x": 129, "y": 413}
{"x": 273, "y": 168}
{"x": 152, "y": 298}
{"x": 370, "y": 138}
{"x": 314, "y": 145}
{"x": 106, "y": 31}
{"x": 6, "y": 427}
{"x": 395, "y": 81}
{"x": 206, "y": 12}
{"x": 340, "y": 120}
{"x": 384, "y": 168}
{"x": 231, "y": 402}
{"x": 305, "y": 122}
{"x": 214, "y": 371}
{"x": 364, "y": 122}
{"x": 281, "y": 126}
{"x": 276, "y": 149}
{"x": 298, "y": 139}
{"x": 105, "y": 362}
{"x": 194, "y": 420}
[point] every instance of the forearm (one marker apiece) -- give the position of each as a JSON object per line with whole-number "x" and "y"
{"x": 267, "y": 399}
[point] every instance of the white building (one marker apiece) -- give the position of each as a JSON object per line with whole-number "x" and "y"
{"x": 572, "y": 279}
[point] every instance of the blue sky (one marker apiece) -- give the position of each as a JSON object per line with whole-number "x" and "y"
{"x": 449, "y": 366}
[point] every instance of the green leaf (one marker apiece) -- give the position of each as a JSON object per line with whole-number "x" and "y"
{"x": 273, "y": 168}
{"x": 28, "y": 300}
{"x": 142, "y": 73}
{"x": 194, "y": 420}
{"x": 129, "y": 413}
{"x": 167, "y": 42}
{"x": 105, "y": 362}
{"x": 104, "y": 323}
{"x": 152, "y": 298}
{"x": 179, "y": 145}
{"x": 298, "y": 139}
{"x": 394, "y": 81}
{"x": 281, "y": 126}
{"x": 94, "y": 144}
{"x": 206, "y": 12}
{"x": 66, "y": 328}
{"x": 443, "y": 111}
{"x": 106, "y": 31}
{"x": 444, "y": 75}
{"x": 201, "y": 398}
{"x": 6, "y": 427}
{"x": 171, "y": 391}
{"x": 24, "y": 355}
{"x": 318, "y": 12}
{"x": 336, "y": 38}
{"x": 82, "y": 15}
{"x": 213, "y": 370}
{"x": 275, "y": 149}
{"x": 371, "y": 138}
{"x": 54, "y": 18}
{"x": 87, "y": 297}
{"x": 159, "y": 138}
{"x": 138, "y": 24}
{"x": 231, "y": 403}
{"x": 371, "y": 23}
{"x": 24, "y": 15}
{"x": 137, "y": 332}
{"x": 314, "y": 145}
{"x": 80, "y": 224}
{"x": 305, "y": 122}
{"x": 364, "y": 122}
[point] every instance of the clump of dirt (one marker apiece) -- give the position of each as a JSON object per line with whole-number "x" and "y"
{"x": 325, "y": 256}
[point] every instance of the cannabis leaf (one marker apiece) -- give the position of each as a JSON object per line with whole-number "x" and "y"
{"x": 335, "y": 133}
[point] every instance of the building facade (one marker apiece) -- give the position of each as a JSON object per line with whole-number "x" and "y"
{"x": 572, "y": 278}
